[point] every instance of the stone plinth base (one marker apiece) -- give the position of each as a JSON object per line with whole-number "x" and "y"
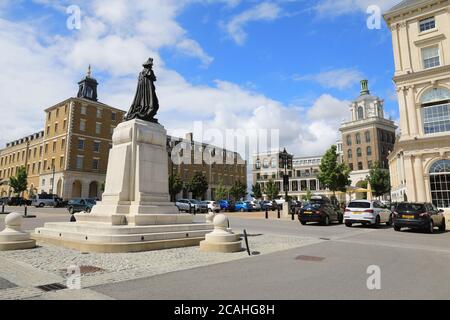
{"x": 17, "y": 245}
{"x": 222, "y": 239}
{"x": 104, "y": 237}
{"x": 13, "y": 238}
{"x": 222, "y": 247}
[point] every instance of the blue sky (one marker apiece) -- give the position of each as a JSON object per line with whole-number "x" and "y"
{"x": 292, "y": 65}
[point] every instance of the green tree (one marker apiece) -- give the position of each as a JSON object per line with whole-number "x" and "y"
{"x": 257, "y": 191}
{"x": 238, "y": 190}
{"x": 271, "y": 190}
{"x": 19, "y": 183}
{"x": 379, "y": 180}
{"x": 222, "y": 192}
{"x": 308, "y": 195}
{"x": 198, "y": 185}
{"x": 176, "y": 185}
{"x": 333, "y": 175}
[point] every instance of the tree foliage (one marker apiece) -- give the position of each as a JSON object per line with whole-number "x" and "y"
{"x": 238, "y": 190}
{"x": 379, "y": 180}
{"x": 176, "y": 185}
{"x": 19, "y": 183}
{"x": 257, "y": 191}
{"x": 333, "y": 175}
{"x": 222, "y": 192}
{"x": 198, "y": 185}
{"x": 271, "y": 190}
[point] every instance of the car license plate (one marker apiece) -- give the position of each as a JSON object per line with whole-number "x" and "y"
{"x": 408, "y": 217}
{"x": 308, "y": 212}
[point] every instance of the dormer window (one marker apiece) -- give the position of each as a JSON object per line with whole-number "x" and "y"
{"x": 427, "y": 24}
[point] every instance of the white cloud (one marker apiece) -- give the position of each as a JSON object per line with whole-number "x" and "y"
{"x": 340, "y": 7}
{"x": 117, "y": 47}
{"x": 338, "y": 78}
{"x": 265, "y": 11}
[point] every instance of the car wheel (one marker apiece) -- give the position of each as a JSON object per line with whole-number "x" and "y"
{"x": 348, "y": 224}
{"x": 242, "y": 210}
{"x": 88, "y": 210}
{"x": 326, "y": 221}
{"x": 210, "y": 210}
{"x": 431, "y": 227}
{"x": 303, "y": 223}
{"x": 71, "y": 211}
{"x": 389, "y": 223}
{"x": 377, "y": 222}
{"x": 443, "y": 226}
{"x": 397, "y": 228}
{"x": 41, "y": 205}
{"x": 341, "y": 219}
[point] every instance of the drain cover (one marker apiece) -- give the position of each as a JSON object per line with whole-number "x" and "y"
{"x": 310, "y": 258}
{"x": 52, "y": 287}
{"x": 86, "y": 269}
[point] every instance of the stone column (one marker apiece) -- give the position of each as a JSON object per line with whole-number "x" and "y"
{"x": 409, "y": 175}
{"x": 419, "y": 178}
{"x": 411, "y": 105}
{"x": 426, "y": 178}
{"x": 404, "y": 125}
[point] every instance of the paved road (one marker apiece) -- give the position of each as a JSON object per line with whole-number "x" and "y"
{"x": 413, "y": 266}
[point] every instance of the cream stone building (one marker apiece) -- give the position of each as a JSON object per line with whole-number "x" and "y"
{"x": 303, "y": 176}
{"x": 420, "y": 162}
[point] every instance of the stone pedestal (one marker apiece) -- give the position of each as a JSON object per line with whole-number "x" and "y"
{"x": 135, "y": 213}
{"x": 13, "y": 238}
{"x": 222, "y": 239}
{"x": 286, "y": 212}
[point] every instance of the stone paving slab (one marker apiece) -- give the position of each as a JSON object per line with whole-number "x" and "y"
{"x": 5, "y": 284}
{"x": 49, "y": 264}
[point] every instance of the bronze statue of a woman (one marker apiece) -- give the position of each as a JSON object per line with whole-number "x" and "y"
{"x": 145, "y": 104}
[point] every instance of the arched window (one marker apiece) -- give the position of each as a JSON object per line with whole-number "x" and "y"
{"x": 350, "y": 154}
{"x": 436, "y": 110}
{"x": 349, "y": 140}
{"x": 367, "y": 134}
{"x": 440, "y": 183}
{"x": 369, "y": 151}
{"x": 359, "y": 152}
{"x": 360, "y": 113}
{"x": 358, "y": 138}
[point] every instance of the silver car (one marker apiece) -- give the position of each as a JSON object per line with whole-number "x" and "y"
{"x": 191, "y": 205}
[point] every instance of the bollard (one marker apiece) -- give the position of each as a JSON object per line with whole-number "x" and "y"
{"x": 246, "y": 242}
{"x": 3, "y": 208}
{"x": 26, "y": 210}
{"x": 279, "y": 216}
{"x": 293, "y": 215}
{"x": 72, "y": 218}
{"x": 267, "y": 214}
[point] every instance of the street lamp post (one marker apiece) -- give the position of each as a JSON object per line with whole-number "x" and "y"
{"x": 286, "y": 162}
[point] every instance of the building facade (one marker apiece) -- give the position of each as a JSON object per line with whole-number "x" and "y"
{"x": 303, "y": 176}
{"x": 69, "y": 158}
{"x": 368, "y": 138}
{"x": 219, "y": 166}
{"x": 420, "y": 163}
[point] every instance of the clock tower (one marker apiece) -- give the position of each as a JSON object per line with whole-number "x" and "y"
{"x": 88, "y": 87}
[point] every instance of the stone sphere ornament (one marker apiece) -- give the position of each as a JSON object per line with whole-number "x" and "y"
{"x": 13, "y": 238}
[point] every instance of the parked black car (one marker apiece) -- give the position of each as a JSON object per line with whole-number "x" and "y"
{"x": 18, "y": 201}
{"x": 80, "y": 205}
{"x": 424, "y": 216}
{"x": 3, "y": 201}
{"x": 319, "y": 209}
{"x": 269, "y": 205}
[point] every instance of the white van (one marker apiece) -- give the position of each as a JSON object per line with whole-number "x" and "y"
{"x": 43, "y": 200}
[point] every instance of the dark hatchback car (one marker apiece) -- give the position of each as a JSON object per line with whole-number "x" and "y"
{"x": 80, "y": 205}
{"x": 319, "y": 209}
{"x": 18, "y": 201}
{"x": 424, "y": 216}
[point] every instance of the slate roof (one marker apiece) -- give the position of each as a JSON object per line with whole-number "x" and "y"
{"x": 405, "y": 4}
